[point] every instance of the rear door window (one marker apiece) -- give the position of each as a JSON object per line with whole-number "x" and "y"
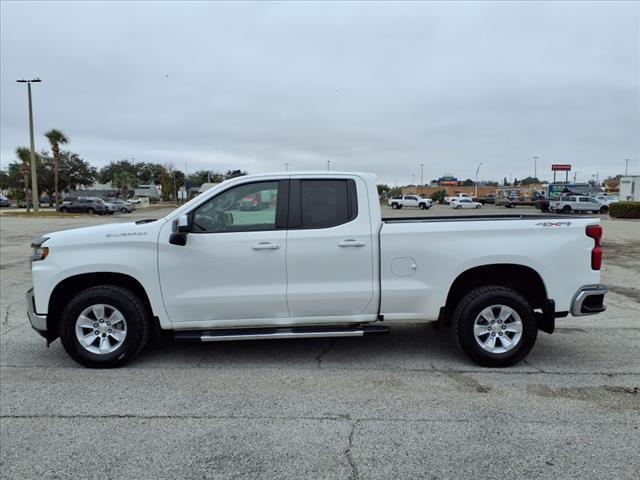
{"x": 327, "y": 203}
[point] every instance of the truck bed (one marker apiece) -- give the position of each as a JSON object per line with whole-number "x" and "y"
{"x": 463, "y": 218}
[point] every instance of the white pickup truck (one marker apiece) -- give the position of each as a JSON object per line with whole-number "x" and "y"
{"x": 316, "y": 261}
{"x": 410, "y": 201}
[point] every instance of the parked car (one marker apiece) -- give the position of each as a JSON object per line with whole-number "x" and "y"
{"x": 4, "y": 201}
{"x": 464, "y": 202}
{"x": 487, "y": 198}
{"x": 119, "y": 205}
{"x": 414, "y": 201}
{"x": 84, "y": 205}
{"x": 321, "y": 263}
{"x": 449, "y": 199}
{"x": 577, "y": 203}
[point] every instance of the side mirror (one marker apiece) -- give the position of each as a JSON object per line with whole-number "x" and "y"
{"x": 181, "y": 227}
{"x": 181, "y": 224}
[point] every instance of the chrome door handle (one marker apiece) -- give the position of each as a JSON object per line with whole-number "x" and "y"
{"x": 265, "y": 246}
{"x": 350, "y": 242}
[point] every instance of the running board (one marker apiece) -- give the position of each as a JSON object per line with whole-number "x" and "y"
{"x": 277, "y": 333}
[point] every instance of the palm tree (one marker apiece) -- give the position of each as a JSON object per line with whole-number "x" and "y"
{"x": 123, "y": 180}
{"x": 56, "y": 138}
{"x": 24, "y": 155}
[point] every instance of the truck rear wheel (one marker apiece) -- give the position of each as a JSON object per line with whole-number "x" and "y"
{"x": 495, "y": 326}
{"x": 104, "y": 326}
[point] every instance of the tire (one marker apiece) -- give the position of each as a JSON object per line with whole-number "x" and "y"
{"x": 604, "y": 209}
{"x": 123, "y": 210}
{"x": 457, "y": 207}
{"x": 566, "y": 209}
{"x": 394, "y": 206}
{"x": 133, "y": 331}
{"x": 90, "y": 211}
{"x": 467, "y": 320}
{"x": 399, "y": 207}
{"x": 64, "y": 210}
{"x": 478, "y": 206}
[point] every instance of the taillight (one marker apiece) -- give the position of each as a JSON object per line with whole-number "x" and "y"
{"x": 595, "y": 232}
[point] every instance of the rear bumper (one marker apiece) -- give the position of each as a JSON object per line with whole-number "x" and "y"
{"x": 38, "y": 322}
{"x": 589, "y": 300}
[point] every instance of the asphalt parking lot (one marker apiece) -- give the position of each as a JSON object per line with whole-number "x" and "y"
{"x": 406, "y": 405}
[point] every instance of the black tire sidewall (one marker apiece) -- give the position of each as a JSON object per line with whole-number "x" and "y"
{"x": 131, "y": 308}
{"x": 473, "y": 304}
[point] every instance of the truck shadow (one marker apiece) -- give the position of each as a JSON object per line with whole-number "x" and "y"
{"x": 407, "y": 344}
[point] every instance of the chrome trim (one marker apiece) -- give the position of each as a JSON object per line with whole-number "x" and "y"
{"x": 38, "y": 322}
{"x": 582, "y": 294}
{"x": 282, "y": 335}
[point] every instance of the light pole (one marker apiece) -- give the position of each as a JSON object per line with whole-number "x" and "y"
{"x": 626, "y": 167}
{"x": 477, "y": 170}
{"x": 413, "y": 179}
{"x": 286, "y": 165}
{"x": 575, "y": 175}
{"x": 328, "y": 165}
{"x": 421, "y": 177}
{"x": 535, "y": 167}
{"x": 34, "y": 175}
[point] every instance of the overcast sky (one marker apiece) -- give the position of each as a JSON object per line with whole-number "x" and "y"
{"x": 378, "y": 87}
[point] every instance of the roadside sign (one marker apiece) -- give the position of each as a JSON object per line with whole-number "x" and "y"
{"x": 560, "y": 167}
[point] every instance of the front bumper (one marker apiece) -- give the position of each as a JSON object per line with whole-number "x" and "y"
{"x": 589, "y": 300}
{"x": 38, "y": 322}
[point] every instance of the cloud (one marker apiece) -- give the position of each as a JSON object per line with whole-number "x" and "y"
{"x": 379, "y": 87}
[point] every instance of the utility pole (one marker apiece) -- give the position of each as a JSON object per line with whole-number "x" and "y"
{"x": 575, "y": 175}
{"x": 34, "y": 173}
{"x": 186, "y": 190}
{"x": 535, "y": 167}
{"x": 421, "y": 177}
{"x": 626, "y": 167}
{"x": 286, "y": 166}
{"x": 477, "y": 170}
{"x": 328, "y": 165}
{"x": 175, "y": 187}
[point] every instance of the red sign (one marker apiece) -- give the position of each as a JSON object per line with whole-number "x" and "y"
{"x": 560, "y": 167}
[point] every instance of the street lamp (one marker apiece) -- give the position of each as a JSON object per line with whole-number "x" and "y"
{"x": 34, "y": 173}
{"x": 286, "y": 165}
{"x": 535, "y": 167}
{"x": 421, "y": 177}
{"x": 477, "y": 170}
{"x": 626, "y": 167}
{"x": 328, "y": 165}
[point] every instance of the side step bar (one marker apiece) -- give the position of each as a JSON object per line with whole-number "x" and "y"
{"x": 278, "y": 333}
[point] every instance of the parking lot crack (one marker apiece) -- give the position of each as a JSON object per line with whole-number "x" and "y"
{"x": 332, "y": 343}
{"x": 7, "y": 311}
{"x": 349, "y": 455}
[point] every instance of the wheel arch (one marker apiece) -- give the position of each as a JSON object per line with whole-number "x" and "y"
{"x": 521, "y": 278}
{"x": 67, "y": 288}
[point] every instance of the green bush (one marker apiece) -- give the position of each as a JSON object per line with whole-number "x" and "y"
{"x": 438, "y": 196}
{"x": 624, "y": 210}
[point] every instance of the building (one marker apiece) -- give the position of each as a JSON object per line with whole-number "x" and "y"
{"x": 630, "y": 188}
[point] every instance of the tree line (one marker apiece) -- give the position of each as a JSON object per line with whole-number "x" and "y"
{"x": 65, "y": 171}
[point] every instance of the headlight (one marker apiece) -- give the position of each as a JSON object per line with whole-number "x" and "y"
{"x": 39, "y": 252}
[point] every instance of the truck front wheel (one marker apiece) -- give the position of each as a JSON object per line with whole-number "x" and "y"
{"x": 104, "y": 326}
{"x": 495, "y": 326}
